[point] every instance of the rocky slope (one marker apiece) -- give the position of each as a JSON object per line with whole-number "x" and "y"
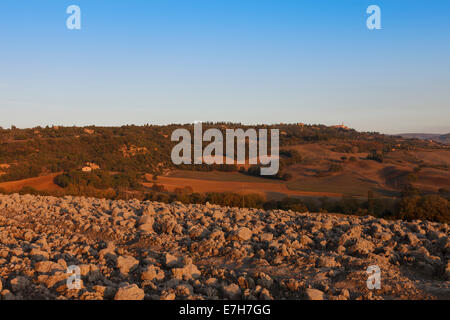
{"x": 147, "y": 250}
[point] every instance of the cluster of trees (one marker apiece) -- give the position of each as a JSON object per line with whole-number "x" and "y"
{"x": 99, "y": 179}
{"x": 290, "y": 157}
{"x": 424, "y": 207}
{"x": 186, "y": 195}
{"x": 408, "y": 207}
{"x": 208, "y": 167}
{"x": 376, "y": 156}
{"x": 411, "y": 205}
{"x": 65, "y": 149}
{"x": 345, "y": 205}
{"x": 255, "y": 170}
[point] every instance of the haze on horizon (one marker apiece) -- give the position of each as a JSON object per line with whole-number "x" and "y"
{"x": 174, "y": 61}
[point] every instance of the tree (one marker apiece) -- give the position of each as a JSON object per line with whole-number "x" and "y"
{"x": 287, "y": 176}
{"x": 429, "y": 207}
{"x": 376, "y": 156}
{"x": 412, "y": 177}
{"x": 370, "y": 202}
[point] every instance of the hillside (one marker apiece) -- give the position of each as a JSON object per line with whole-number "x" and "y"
{"x": 27, "y": 153}
{"x": 148, "y": 250}
{"x": 441, "y": 138}
{"x": 322, "y": 169}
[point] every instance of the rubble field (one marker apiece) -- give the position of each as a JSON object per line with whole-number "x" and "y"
{"x": 134, "y": 250}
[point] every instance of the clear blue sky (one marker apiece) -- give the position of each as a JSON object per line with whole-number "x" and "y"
{"x": 250, "y": 61}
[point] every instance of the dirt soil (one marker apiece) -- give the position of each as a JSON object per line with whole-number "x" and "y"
{"x": 42, "y": 183}
{"x": 269, "y": 189}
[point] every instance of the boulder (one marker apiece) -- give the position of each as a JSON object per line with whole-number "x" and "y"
{"x": 19, "y": 283}
{"x": 152, "y": 273}
{"x": 129, "y": 292}
{"x": 362, "y": 247}
{"x": 126, "y": 263}
{"x": 187, "y": 272}
{"x": 170, "y": 260}
{"x": 232, "y": 291}
{"x": 244, "y": 234}
{"x": 47, "y": 266}
{"x": 148, "y": 211}
{"x": 314, "y": 294}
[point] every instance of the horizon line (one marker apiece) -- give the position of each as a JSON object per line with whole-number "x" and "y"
{"x": 431, "y": 132}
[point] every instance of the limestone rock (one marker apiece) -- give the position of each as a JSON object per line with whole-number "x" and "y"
{"x": 130, "y": 292}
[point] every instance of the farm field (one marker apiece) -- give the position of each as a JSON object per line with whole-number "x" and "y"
{"x": 272, "y": 189}
{"x": 42, "y": 183}
{"x": 359, "y": 176}
{"x": 344, "y": 183}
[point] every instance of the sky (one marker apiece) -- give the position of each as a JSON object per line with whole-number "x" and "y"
{"x": 248, "y": 61}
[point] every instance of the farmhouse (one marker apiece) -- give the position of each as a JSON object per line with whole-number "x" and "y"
{"x": 90, "y": 167}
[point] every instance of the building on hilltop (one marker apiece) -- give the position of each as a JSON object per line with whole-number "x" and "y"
{"x": 341, "y": 126}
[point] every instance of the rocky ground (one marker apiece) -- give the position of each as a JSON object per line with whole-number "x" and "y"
{"x": 147, "y": 250}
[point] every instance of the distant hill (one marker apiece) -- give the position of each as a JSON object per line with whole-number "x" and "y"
{"x": 120, "y": 162}
{"x": 442, "y": 138}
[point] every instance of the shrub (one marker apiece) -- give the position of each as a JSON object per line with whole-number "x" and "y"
{"x": 28, "y": 190}
{"x": 335, "y": 167}
{"x": 287, "y": 176}
{"x": 429, "y": 207}
{"x": 376, "y": 156}
{"x": 158, "y": 188}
